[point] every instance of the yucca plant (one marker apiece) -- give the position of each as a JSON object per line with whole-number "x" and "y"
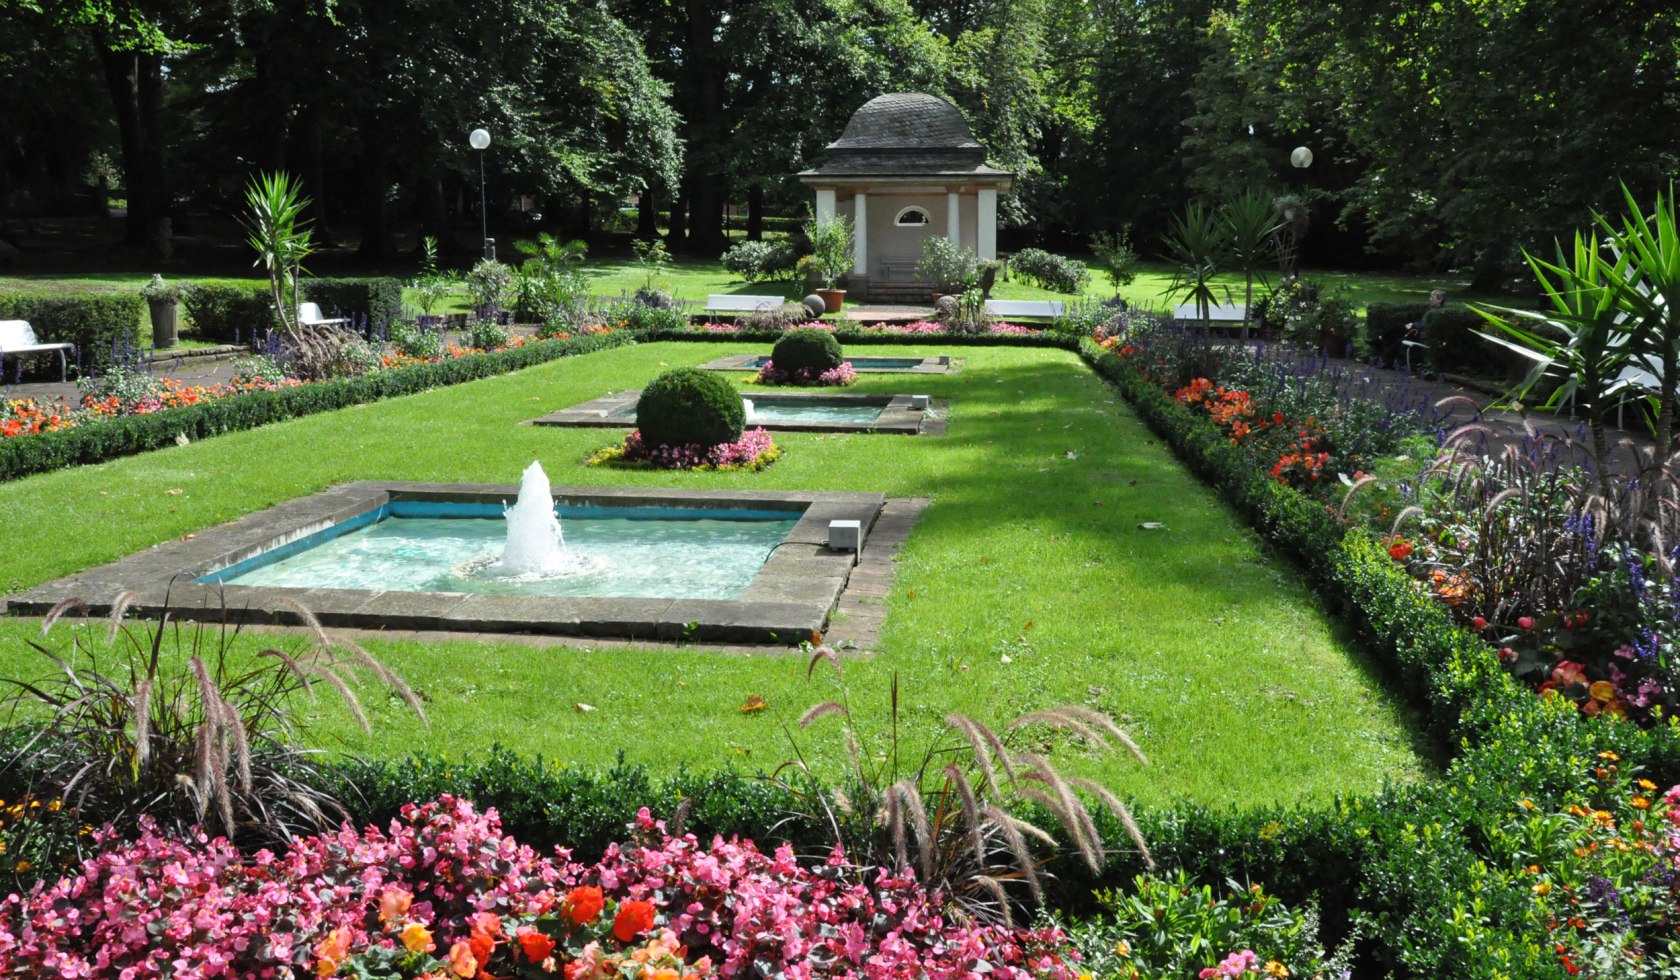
{"x": 1648, "y": 291}
{"x": 1251, "y": 227}
{"x": 1196, "y": 246}
{"x": 165, "y": 721}
{"x": 1581, "y": 340}
{"x": 953, "y": 812}
{"x": 277, "y": 231}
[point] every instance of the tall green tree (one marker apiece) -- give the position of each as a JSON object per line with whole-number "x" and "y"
{"x": 1478, "y": 126}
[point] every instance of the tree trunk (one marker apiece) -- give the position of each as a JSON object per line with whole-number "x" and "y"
{"x": 755, "y": 212}
{"x": 677, "y": 235}
{"x": 135, "y": 79}
{"x": 1489, "y": 272}
{"x": 647, "y": 215}
{"x": 314, "y": 166}
{"x": 376, "y": 228}
{"x": 705, "y": 229}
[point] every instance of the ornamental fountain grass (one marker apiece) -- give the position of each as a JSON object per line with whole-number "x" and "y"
{"x": 807, "y": 357}
{"x": 691, "y": 419}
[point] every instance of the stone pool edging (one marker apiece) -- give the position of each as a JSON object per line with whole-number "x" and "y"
{"x": 787, "y": 602}
{"x": 937, "y": 364}
{"x": 897, "y": 415}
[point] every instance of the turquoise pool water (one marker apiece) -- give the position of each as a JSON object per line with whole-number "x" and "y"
{"x": 618, "y": 552}
{"x": 769, "y": 410}
{"x": 879, "y": 363}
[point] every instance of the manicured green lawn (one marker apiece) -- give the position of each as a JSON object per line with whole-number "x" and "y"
{"x": 1027, "y": 583}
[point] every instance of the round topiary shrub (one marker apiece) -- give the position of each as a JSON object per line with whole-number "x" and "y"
{"x": 688, "y": 407}
{"x": 808, "y": 351}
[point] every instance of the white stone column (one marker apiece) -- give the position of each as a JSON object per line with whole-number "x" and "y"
{"x": 986, "y": 225}
{"x": 953, "y": 217}
{"x": 825, "y": 204}
{"x": 860, "y": 234}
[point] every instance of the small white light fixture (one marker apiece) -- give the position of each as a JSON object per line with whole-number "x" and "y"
{"x": 479, "y": 139}
{"x": 845, "y": 536}
{"x": 919, "y": 402}
{"x": 1301, "y": 157}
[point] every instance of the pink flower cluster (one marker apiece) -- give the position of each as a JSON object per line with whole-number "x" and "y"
{"x": 444, "y": 877}
{"x": 1234, "y": 965}
{"x": 745, "y": 451}
{"x": 921, "y": 327}
{"x": 836, "y": 377}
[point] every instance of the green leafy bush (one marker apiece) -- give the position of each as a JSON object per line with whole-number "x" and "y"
{"x": 1056, "y": 273}
{"x": 230, "y": 314}
{"x": 810, "y": 350}
{"x": 690, "y": 407}
{"x": 484, "y": 333}
{"x": 488, "y": 284}
{"x": 761, "y": 261}
{"x": 1173, "y": 927}
{"x": 100, "y": 326}
{"x": 947, "y": 265}
{"x": 636, "y": 315}
{"x": 378, "y": 300}
{"x": 416, "y": 340}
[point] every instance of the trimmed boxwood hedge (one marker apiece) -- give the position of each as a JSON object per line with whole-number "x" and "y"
{"x": 96, "y": 323}
{"x": 229, "y": 314}
{"x": 808, "y": 350}
{"x": 129, "y": 434}
{"x": 375, "y": 303}
{"x": 690, "y": 407}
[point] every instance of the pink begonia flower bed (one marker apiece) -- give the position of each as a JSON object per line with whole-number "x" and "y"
{"x": 445, "y": 893}
{"x": 836, "y": 377}
{"x": 917, "y": 327}
{"x": 743, "y": 452}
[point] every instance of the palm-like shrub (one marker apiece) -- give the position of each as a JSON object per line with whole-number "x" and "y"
{"x": 1196, "y": 247}
{"x": 168, "y": 723}
{"x": 809, "y": 351}
{"x": 690, "y": 407}
{"x": 952, "y": 813}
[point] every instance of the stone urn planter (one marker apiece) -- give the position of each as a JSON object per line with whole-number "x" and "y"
{"x": 163, "y": 298}
{"x": 832, "y": 299}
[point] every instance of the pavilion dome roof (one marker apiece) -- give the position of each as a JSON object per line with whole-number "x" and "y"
{"x": 906, "y": 135}
{"x": 907, "y": 121}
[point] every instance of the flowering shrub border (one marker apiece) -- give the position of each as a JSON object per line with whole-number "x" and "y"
{"x": 754, "y": 451}
{"x": 128, "y": 434}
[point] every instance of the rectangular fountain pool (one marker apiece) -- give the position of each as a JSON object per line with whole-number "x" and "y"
{"x": 938, "y": 364}
{"x": 658, "y": 564}
{"x": 623, "y": 552}
{"x": 788, "y": 411}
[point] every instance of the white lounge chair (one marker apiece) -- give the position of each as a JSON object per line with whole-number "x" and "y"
{"x": 1046, "y": 308}
{"x": 18, "y": 337}
{"x": 309, "y": 315}
{"x": 1228, "y": 313}
{"x": 731, "y": 303}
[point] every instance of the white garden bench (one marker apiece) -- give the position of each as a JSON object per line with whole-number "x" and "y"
{"x": 731, "y": 303}
{"x": 1222, "y": 314}
{"x": 309, "y": 315}
{"x": 1048, "y": 309}
{"x": 18, "y": 337}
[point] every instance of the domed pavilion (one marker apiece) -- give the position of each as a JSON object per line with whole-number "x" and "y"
{"x": 907, "y": 167}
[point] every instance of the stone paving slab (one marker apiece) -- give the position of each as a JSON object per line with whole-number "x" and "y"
{"x": 937, "y": 364}
{"x": 898, "y": 414}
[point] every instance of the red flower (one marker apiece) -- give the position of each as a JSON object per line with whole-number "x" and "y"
{"x": 1399, "y": 549}
{"x": 1525, "y": 622}
{"x": 633, "y": 919}
{"x": 536, "y": 945}
{"x": 1479, "y": 623}
{"x": 486, "y": 926}
{"x": 583, "y": 904}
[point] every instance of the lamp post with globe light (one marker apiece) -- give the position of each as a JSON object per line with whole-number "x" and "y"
{"x": 480, "y": 141}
